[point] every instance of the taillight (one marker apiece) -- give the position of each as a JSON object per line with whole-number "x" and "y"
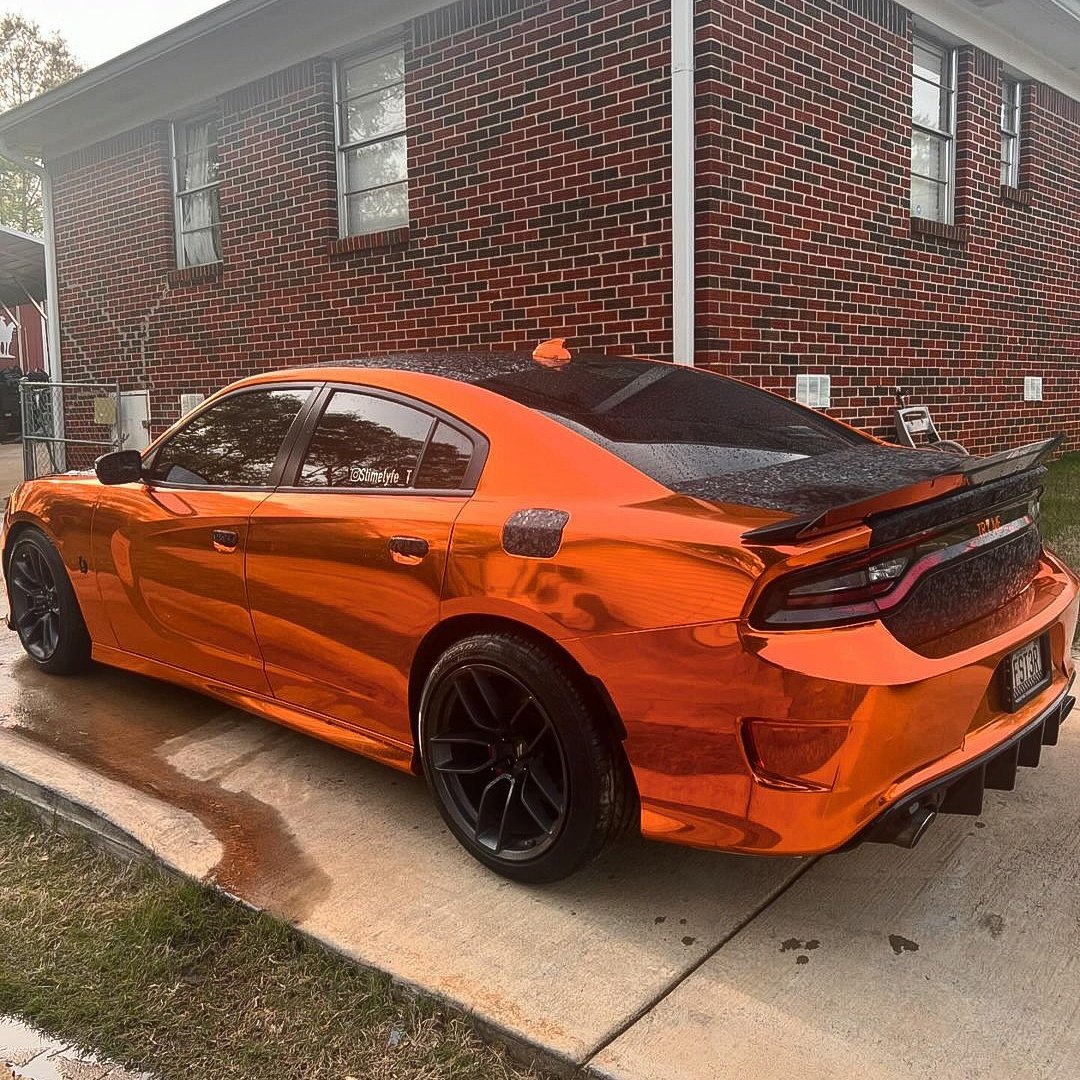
{"x": 851, "y": 590}
{"x": 861, "y": 584}
{"x": 841, "y": 593}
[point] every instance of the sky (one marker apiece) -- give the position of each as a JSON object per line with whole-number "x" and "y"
{"x": 96, "y": 31}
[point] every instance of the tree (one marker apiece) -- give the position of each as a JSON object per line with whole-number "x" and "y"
{"x": 30, "y": 64}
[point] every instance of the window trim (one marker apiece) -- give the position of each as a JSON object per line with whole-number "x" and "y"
{"x": 178, "y": 233}
{"x": 287, "y": 444}
{"x": 951, "y": 66}
{"x": 373, "y": 51}
{"x": 1012, "y": 102}
{"x": 291, "y": 467}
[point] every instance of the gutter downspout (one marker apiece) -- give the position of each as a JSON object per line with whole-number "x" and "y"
{"x": 682, "y": 181}
{"x": 54, "y": 363}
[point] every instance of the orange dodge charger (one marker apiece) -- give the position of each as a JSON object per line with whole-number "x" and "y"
{"x": 580, "y": 595}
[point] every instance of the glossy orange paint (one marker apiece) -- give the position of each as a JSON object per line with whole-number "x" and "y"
{"x": 309, "y": 620}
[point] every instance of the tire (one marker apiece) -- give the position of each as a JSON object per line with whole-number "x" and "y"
{"x": 522, "y": 767}
{"x": 44, "y": 610}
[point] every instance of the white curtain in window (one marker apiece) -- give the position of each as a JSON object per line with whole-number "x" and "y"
{"x": 198, "y": 210}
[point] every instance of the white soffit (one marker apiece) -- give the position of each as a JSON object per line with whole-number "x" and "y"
{"x": 229, "y": 46}
{"x": 1038, "y": 38}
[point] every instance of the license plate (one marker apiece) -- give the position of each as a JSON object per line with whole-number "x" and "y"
{"x": 1026, "y": 672}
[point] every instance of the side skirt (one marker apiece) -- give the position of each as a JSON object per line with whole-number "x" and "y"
{"x": 392, "y": 753}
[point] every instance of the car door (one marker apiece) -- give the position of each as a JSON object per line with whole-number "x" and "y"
{"x": 169, "y": 551}
{"x": 345, "y": 561}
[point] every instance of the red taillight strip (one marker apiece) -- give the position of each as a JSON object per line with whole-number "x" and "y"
{"x": 807, "y": 616}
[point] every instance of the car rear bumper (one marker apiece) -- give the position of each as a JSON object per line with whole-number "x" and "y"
{"x": 903, "y": 722}
{"x": 961, "y": 790}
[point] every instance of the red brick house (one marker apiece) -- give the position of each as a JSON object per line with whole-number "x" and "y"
{"x": 881, "y": 194}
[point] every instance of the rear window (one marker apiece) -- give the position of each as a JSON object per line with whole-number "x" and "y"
{"x": 672, "y": 423}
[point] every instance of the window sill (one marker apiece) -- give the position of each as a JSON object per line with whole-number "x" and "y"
{"x": 1017, "y": 196}
{"x": 378, "y": 241}
{"x": 938, "y": 230}
{"x": 195, "y": 275}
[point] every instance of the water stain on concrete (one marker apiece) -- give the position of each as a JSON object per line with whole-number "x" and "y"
{"x": 118, "y": 724}
{"x": 902, "y": 944}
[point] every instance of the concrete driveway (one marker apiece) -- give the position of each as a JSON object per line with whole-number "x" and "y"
{"x": 960, "y": 959}
{"x": 11, "y": 468}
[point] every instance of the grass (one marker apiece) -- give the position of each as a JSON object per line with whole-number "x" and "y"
{"x": 164, "y": 975}
{"x": 1061, "y": 508}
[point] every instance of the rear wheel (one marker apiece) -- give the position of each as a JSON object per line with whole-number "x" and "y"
{"x": 526, "y": 775}
{"x": 44, "y": 610}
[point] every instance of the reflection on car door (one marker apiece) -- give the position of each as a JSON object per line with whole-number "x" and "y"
{"x": 345, "y": 565}
{"x": 169, "y": 552}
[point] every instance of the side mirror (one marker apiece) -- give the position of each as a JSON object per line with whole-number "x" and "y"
{"x": 119, "y": 467}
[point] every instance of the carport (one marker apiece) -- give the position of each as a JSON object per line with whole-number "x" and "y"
{"x": 22, "y": 296}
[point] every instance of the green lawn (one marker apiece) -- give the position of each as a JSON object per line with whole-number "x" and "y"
{"x": 161, "y": 974}
{"x": 1061, "y": 508}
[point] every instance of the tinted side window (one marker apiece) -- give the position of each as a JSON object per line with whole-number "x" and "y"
{"x": 365, "y": 441}
{"x": 446, "y": 460}
{"x": 233, "y": 443}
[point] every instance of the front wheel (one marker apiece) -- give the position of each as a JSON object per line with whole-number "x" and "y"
{"x": 526, "y": 775}
{"x": 44, "y": 610}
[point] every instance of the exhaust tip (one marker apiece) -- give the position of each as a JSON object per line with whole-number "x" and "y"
{"x": 905, "y": 829}
{"x": 920, "y": 822}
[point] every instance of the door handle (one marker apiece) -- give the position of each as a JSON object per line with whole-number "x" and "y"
{"x": 407, "y": 550}
{"x": 224, "y": 540}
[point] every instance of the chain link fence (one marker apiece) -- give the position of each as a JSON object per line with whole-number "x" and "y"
{"x": 66, "y": 426}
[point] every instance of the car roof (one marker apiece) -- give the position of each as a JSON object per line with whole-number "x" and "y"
{"x": 473, "y": 366}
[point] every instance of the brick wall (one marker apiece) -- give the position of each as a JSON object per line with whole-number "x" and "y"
{"x": 809, "y": 262}
{"x": 538, "y": 157}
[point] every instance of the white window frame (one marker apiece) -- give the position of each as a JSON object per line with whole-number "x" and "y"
{"x": 1012, "y": 100}
{"x": 178, "y": 195}
{"x": 946, "y": 134}
{"x": 372, "y": 52}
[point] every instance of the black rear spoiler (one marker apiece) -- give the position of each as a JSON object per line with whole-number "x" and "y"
{"x": 972, "y": 472}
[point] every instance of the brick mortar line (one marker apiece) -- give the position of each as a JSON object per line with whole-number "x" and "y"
{"x": 640, "y": 1014}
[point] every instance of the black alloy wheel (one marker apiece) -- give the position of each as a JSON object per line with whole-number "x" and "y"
{"x": 35, "y": 602}
{"x": 44, "y": 610}
{"x": 497, "y": 761}
{"x": 525, "y": 770}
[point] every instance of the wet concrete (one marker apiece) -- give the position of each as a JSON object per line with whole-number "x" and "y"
{"x": 27, "y": 1054}
{"x": 957, "y": 960}
{"x": 357, "y": 855}
{"x": 124, "y": 727}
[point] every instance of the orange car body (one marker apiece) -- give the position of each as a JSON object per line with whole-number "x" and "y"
{"x": 739, "y": 736}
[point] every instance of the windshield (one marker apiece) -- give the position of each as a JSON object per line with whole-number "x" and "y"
{"x": 672, "y": 423}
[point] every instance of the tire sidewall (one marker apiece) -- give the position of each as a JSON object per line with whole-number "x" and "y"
{"x": 588, "y": 797}
{"x": 72, "y": 651}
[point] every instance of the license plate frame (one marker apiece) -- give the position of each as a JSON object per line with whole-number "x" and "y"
{"x": 1016, "y": 689}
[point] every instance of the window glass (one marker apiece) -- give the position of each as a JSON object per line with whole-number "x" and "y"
{"x": 933, "y": 120}
{"x": 672, "y": 423}
{"x": 371, "y": 138}
{"x": 365, "y": 441}
{"x": 198, "y": 226}
{"x": 1010, "y": 132}
{"x": 446, "y": 460}
{"x": 233, "y": 443}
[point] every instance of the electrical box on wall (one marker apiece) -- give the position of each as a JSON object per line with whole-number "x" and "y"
{"x": 189, "y": 402}
{"x": 813, "y": 390}
{"x": 1033, "y": 388}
